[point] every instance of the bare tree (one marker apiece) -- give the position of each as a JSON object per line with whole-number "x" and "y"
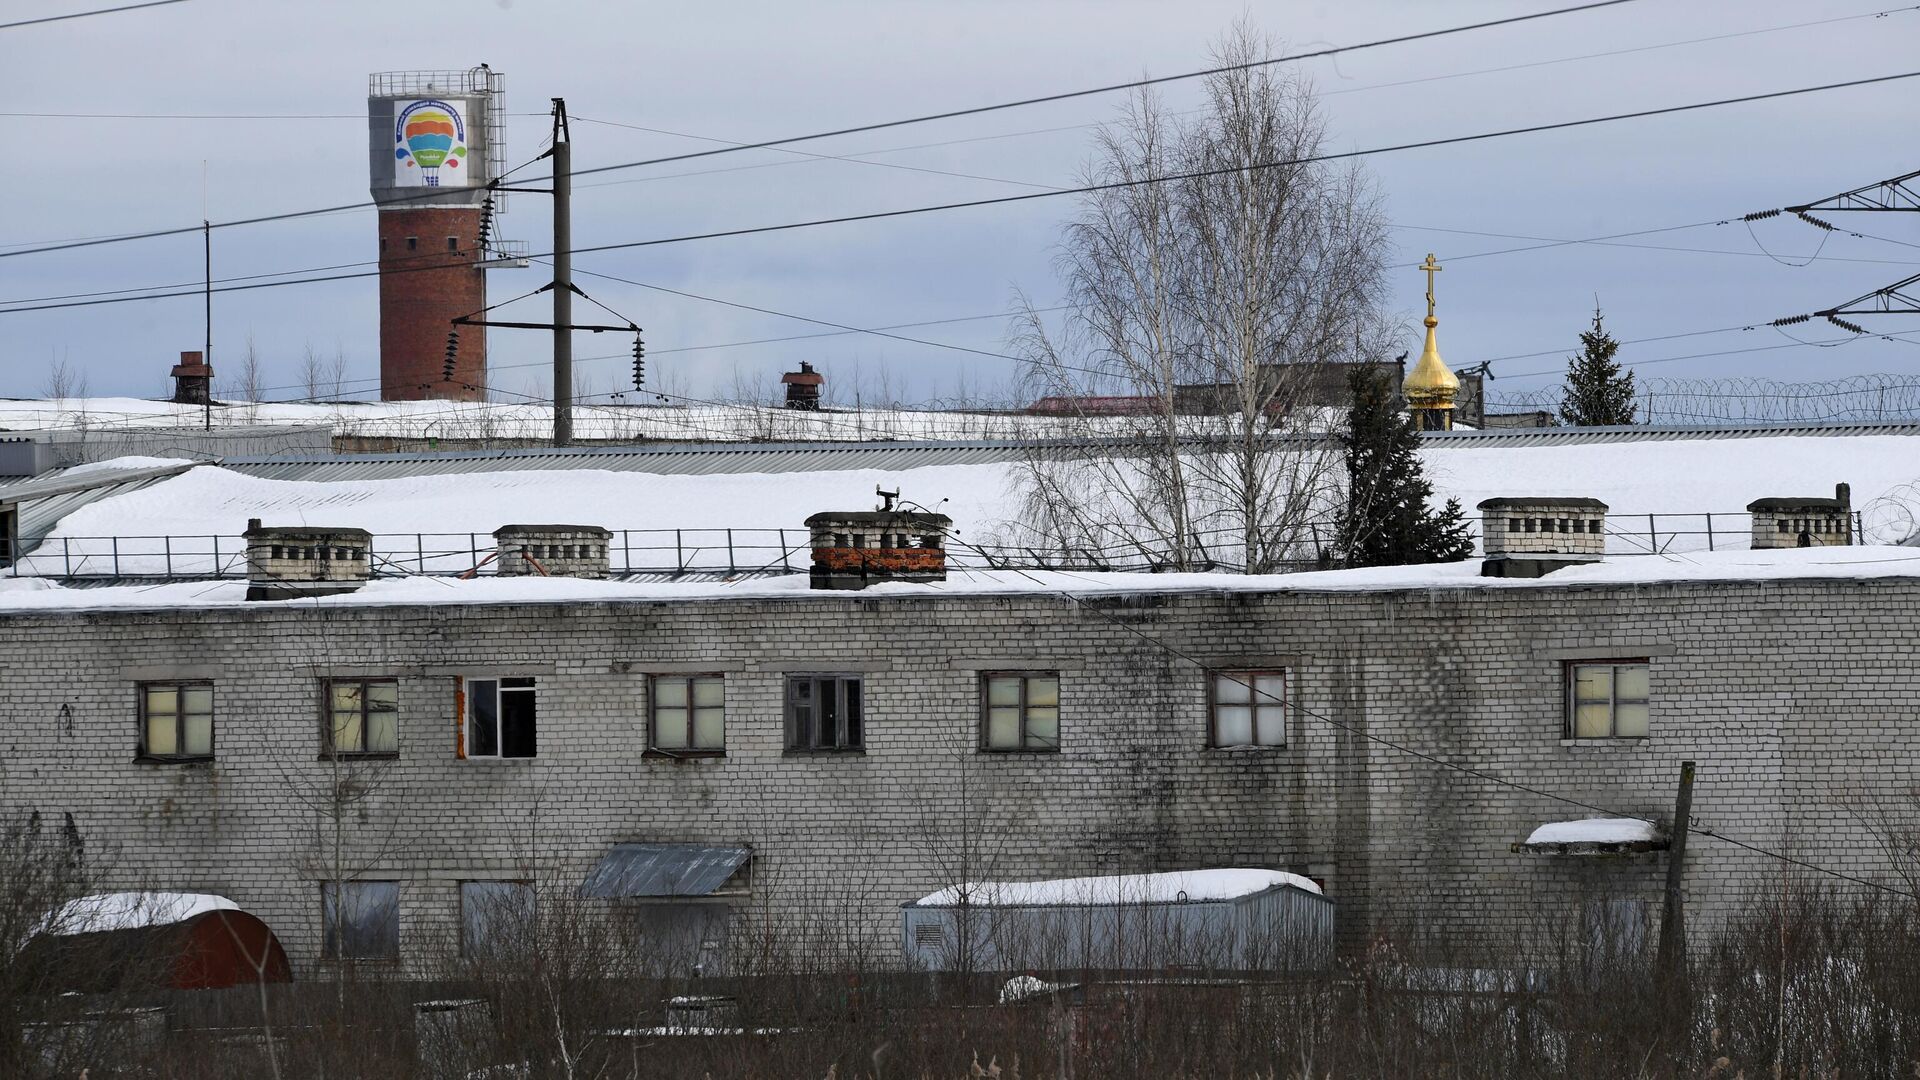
{"x": 247, "y": 383}
{"x": 336, "y": 376}
{"x": 63, "y": 382}
{"x": 1201, "y": 310}
{"x": 312, "y": 372}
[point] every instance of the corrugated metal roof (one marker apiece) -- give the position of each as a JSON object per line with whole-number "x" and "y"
{"x": 44, "y": 500}
{"x": 665, "y": 458}
{"x": 662, "y": 870}
{"x": 714, "y": 458}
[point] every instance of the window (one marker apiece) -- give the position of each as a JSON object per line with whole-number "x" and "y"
{"x": 360, "y": 920}
{"x": 689, "y": 713}
{"x": 1607, "y": 699}
{"x": 494, "y": 915}
{"x": 361, "y": 716}
{"x": 1249, "y": 708}
{"x": 1021, "y": 710}
{"x": 823, "y": 712}
{"x": 413, "y": 242}
{"x": 500, "y": 717}
{"x": 176, "y": 720}
{"x": 453, "y": 243}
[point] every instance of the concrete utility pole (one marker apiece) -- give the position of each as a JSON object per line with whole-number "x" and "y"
{"x": 1671, "y": 962}
{"x": 562, "y": 156}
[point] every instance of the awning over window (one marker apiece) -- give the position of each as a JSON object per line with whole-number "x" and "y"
{"x": 662, "y": 870}
{"x": 1594, "y": 836}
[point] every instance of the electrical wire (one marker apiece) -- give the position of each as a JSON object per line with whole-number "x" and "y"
{"x": 928, "y": 118}
{"x": 1085, "y": 189}
{"x": 88, "y": 14}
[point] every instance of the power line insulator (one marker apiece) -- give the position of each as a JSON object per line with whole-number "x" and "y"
{"x": 639, "y": 362}
{"x": 453, "y": 350}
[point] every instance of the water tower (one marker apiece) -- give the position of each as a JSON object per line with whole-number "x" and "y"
{"x": 435, "y": 139}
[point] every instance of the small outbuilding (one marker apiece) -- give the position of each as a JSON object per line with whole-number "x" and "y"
{"x": 152, "y": 940}
{"x": 1228, "y": 919}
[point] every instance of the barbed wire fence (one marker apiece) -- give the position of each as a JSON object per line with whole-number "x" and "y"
{"x": 1853, "y": 399}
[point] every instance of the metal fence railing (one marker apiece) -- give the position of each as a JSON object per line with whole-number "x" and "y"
{"x": 672, "y": 553}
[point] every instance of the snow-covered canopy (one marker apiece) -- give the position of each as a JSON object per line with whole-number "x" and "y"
{"x": 1182, "y": 886}
{"x": 1594, "y": 831}
{"x": 130, "y": 911}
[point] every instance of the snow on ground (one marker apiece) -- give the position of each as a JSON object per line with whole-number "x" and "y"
{"x": 1594, "y": 831}
{"x": 130, "y": 911}
{"x": 24, "y": 595}
{"x": 1683, "y": 476}
{"x": 1169, "y": 888}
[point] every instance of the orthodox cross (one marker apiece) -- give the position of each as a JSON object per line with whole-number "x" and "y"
{"x": 1431, "y": 268}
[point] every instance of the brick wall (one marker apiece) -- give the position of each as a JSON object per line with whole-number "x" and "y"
{"x": 1796, "y": 698}
{"x": 417, "y": 306}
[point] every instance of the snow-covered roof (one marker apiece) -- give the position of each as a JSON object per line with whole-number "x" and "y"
{"x": 1593, "y": 831}
{"x": 130, "y": 911}
{"x": 1181, "y": 886}
{"x": 777, "y": 486}
{"x": 1593, "y": 836}
{"x": 27, "y": 595}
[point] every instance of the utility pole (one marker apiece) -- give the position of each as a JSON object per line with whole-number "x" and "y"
{"x": 562, "y": 156}
{"x": 206, "y": 245}
{"x": 1671, "y": 962}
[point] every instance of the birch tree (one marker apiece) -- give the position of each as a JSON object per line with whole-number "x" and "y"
{"x": 1213, "y": 272}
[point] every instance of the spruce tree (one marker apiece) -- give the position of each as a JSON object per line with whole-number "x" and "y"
{"x": 1387, "y": 521}
{"x": 1597, "y": 393}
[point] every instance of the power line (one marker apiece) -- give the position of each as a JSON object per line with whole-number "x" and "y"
{"x": 1309, "y": 160}
{"x": 851, "y": 159}
{"x": 88, "y": 14}
{"x": 860, "y": 156}
{"x": 1082, "y": 190}
{"x": 928, "y": 118}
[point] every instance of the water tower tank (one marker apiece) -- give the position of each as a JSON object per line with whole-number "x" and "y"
{"x": 434, "y": 139}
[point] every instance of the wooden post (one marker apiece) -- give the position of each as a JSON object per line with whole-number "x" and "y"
{"x": 1671, "y": 962}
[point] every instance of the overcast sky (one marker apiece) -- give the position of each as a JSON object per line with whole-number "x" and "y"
{"x": 753, "y": 71}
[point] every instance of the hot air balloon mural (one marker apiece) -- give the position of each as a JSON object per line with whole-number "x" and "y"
{"x": 429, "y": 135}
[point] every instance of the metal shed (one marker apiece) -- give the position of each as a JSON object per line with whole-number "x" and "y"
{"x": 1195, "y": 920}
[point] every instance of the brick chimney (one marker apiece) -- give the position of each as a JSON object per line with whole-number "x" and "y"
{"x": 1790, "y": 522}
{"x": 192, "y": 380}
{"x": 803, "y": 387}
{"x": 1535, "y": 537}
{"x": 286, "y": 562}
{"x": 552, "y": 550}
{"x": 856, "y": 548}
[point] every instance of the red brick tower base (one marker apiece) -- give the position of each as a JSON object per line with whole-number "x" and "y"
{"x": 417, "y": 306}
